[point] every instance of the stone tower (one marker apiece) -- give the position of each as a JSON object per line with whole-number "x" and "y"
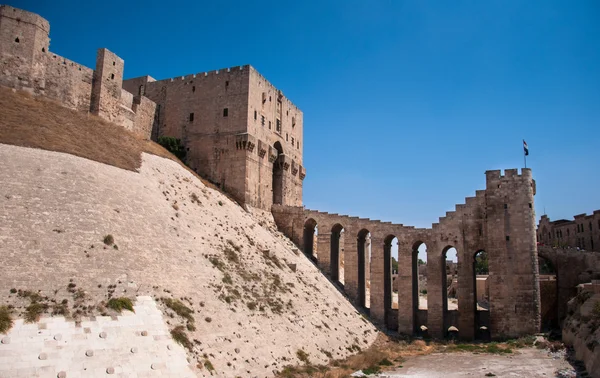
{"x": 23, "y": 44}
{"x": 512, "y": 250}
{"x": 106, "y": 85}
{"x": 239, "y": 131}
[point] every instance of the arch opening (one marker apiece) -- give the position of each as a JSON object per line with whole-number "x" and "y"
{"x": 364, "y": 268}
{"x": 449, "y": 265}
{"x": 390, "y": 249}
{"x": 337, "y": 254}
{"x": 277, "y": 184}
{"x": 481, "y": 295}
{"x": 548, "y": 279}
{"x": 311, "y": 232}
{"x": 419, "y": 288}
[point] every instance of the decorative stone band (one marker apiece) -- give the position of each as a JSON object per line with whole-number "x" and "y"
{"x": 245, "y": 141}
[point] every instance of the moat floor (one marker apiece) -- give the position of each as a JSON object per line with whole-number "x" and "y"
{"x": 522, "y": 363}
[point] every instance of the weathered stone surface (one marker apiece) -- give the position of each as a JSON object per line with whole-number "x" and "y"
{"x": 26, "y": 63}
{"x": 89, "y": 200}
{"x": 112, "y": 351}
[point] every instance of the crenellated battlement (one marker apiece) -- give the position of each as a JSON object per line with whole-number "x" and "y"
{"x": 201, "y": 75}
{"x": 508, "y": 174}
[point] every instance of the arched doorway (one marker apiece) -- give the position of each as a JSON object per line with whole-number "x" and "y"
{"x": 389, "y": 242}
{"x": 310, "y": 236}
{"x": 548, "y": 294}
{"x": 419, "y": 288}
{"x": 364, "y": 264}
{"x": 450, "y": 278}
{"x": 481, "y": 295}
{"x": 278, "y": 175}
{"x": 337, "y": 253}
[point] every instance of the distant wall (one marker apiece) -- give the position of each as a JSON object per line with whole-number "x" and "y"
{"x": 582, "y": 232}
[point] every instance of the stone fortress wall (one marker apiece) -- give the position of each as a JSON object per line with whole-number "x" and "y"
{"x": 244, "y": 134}
{"x": 26, "y": 63}
{"x": 499, "y": 220}
{"x": 238, "y": 129}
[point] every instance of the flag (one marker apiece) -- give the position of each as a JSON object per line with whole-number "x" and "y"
{"x": 525, "y": 148}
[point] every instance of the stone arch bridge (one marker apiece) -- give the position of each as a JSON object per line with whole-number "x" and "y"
{"x": 499, "y": 220}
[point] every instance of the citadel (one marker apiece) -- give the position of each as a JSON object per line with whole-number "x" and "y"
{"x": 242, "y": 133}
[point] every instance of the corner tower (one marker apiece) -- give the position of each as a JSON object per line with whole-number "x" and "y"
{"x": 24, "y": 42}
{"x": 23, "y": 34}
{"x": 512, "y": 251}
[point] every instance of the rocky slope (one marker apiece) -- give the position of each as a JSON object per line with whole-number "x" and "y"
{"x": 75, "y": 233}
{"x": 581, "y": 328}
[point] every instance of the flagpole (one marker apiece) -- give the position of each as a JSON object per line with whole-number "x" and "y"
{"x": 525, "y": 158}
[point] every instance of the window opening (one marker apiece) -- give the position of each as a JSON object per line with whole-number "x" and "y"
{"x": 191, "y": 117}
{"x": 17, "y": 39}
{"x": 225, "y": 112}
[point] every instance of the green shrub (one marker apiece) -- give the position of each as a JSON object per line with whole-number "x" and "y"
{"x": 178, "y": 334}
{"x": 118, "y": 304}
{"x": 5, "y": 319}
{"x": 227, "y": 279}
{"x": 179, "y": 308}
{"x": 173, "y": 145}
{"x": 208, "y": 365}
{"x": 231, "y": 255}
{"x": 109, "y": 239}
{"x": 302, "y": 356}
{"x": 217, "y": 263}
{"x": 61, "y": 309}
{"x": 371, "y": 370}
{"x": 34, "y": 311}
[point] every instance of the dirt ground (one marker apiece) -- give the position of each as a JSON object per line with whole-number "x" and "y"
{"x": 527, "y": 362}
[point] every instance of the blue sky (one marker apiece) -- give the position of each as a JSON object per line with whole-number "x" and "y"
{"x": 406, "y": 103}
